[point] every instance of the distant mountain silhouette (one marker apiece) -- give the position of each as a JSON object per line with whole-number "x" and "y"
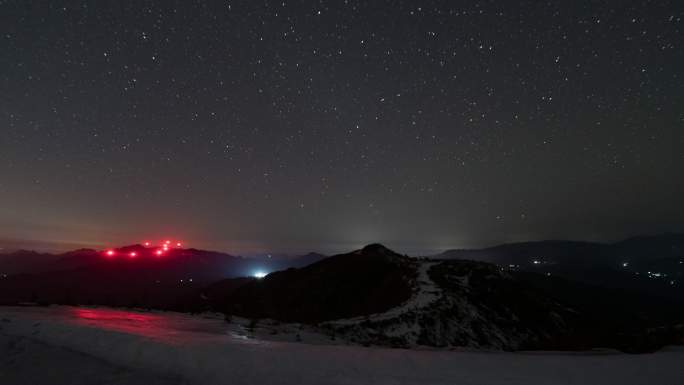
{"x": 170, "y": 281}
{"x": 275, "y": 262}
{"x": 634, "y": 250}
{"x": 22, "y": 261}
{"x": 622, "y": 264}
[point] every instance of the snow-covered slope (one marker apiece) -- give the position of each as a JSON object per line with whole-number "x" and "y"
{"x": 62, "y": 345}
{"x": 399, "y": 324}
{"x": 374, "y": 296}
{"x": 459, "y": 304}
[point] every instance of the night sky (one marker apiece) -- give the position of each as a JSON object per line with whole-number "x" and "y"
{"x": 291, "y": 126}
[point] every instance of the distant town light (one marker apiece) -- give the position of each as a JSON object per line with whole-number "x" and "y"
{"x": 110, "y": 253}
{"x": 147, "y": 244}
{"x": 259, "y": 274}
{"x": 133, "y": 254}
{"x": 159, "y": 252}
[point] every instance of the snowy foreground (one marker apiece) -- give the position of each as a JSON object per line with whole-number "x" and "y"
{"x": 65, "y": 345}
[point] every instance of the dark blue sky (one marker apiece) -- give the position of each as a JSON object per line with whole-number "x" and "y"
{"x": 258, "y": 125}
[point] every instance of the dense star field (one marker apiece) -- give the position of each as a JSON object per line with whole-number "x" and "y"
{"x": 259, "y": 125}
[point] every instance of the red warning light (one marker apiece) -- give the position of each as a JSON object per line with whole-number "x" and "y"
{"x": 132, "y": 254}
{"x": 110, "y": 253}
